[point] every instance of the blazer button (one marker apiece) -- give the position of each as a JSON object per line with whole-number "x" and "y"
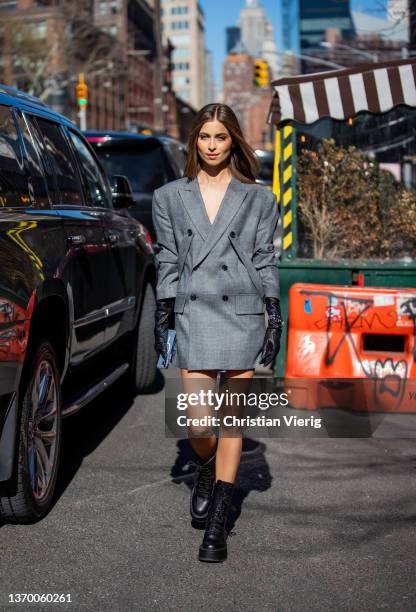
{"x": 224, "y": 267}
{"x": 232, "y": 234}
{"x": 189, "y": 232}
{"x": 225, "y": 298}
{"x": 193, "y": 297}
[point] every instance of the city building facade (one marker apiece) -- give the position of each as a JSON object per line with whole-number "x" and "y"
{"x": 249, "y": 103}
{"x": 46, "y": 44}
{"x": 110, "y": 41}
{"x": 232, "y": 37}
{"x": 252, "y": 24}
{"x": 210, "y": 90}
{"x": 183, "y": 24}
{"x": 318, "y": 16}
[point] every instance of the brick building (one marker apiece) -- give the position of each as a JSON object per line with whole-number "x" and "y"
{"x": 249, "y": 102}
{"x": 45, "y": 44}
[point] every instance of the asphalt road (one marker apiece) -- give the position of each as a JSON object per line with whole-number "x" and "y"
{"x": 320, "y": 524}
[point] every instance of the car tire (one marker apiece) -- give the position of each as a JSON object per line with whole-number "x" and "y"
{"x": 143, "y": 361}
{"x": 27, "y": 496}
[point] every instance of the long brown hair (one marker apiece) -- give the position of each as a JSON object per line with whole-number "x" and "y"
{"x": 244, "y": 163}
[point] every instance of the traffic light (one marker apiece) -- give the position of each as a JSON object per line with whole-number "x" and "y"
{"x": 261, "y": 73}
{"x": 82, "y": 91}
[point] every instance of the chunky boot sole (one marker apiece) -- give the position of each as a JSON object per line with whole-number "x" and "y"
{"x": 212, "y": 556}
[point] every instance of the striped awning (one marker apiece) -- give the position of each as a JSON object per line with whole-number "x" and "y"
{"x": 341, "y": 94}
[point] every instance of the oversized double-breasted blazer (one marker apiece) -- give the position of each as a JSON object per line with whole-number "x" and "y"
{"x": 219, "y": 273}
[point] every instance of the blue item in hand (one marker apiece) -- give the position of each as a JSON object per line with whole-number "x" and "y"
{"x": 164, "y": 363}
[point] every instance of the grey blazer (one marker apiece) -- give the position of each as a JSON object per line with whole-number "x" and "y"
{"x": 219, "y": 273}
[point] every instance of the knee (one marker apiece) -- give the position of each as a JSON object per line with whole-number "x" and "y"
{"x": 199, "y": 431}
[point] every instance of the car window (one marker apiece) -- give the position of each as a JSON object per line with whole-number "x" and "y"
{"x": 13, "y": 179}
{"x": 96, "y": 183}
{"x": 47, "y": 164}
{"x": 36, "y": 179}
{"x": 143, "y": 166}
{"x": 63, "y": 162}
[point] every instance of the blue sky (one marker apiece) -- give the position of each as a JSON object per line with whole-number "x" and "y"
{"x": 222, "y": 13}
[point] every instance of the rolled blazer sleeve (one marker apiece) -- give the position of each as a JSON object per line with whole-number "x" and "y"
{"x": 166, "y": 252}
{"x": 265, "y": 256}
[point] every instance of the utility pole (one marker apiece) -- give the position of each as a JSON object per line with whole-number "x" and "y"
{"x": 158, "y": 75}
{"x": 82, "y": 99}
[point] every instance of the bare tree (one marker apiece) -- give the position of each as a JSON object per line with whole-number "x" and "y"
{"x": 77, "y": 45}
{"x": 349, "y": 207}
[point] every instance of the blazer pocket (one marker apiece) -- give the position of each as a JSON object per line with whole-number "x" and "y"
{"x": 179, "y": 302}
{"x": 249, "y": 303}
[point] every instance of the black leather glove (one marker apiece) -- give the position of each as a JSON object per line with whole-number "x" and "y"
{"x": 164, "y": 308}
{"x": 271, "y": 343}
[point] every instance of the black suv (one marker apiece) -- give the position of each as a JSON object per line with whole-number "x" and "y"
{"x": 77, "y": 299}
{"x": 148, "y": 161}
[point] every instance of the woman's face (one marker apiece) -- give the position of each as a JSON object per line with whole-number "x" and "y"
{"x": 214, "y": 143}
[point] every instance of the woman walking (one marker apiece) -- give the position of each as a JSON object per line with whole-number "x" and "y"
{"x": 217, "y": 272}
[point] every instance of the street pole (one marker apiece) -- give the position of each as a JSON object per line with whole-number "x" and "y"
{"x": 82, "y": 100}
{"x": 158, "y": 76}
{"x": 82, "y": 118}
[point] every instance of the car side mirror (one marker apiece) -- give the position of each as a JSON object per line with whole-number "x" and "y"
{"x": 122, "y": 191}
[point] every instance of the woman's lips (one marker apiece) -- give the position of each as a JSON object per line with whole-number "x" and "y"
{"x": 212, "y": 154}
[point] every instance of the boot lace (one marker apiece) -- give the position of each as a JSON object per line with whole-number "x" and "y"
{"x": 217, "y": 517}
{"x": 205, "y": 481}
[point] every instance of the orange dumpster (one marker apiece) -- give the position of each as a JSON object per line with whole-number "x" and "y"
{"x": 351, "y": 347}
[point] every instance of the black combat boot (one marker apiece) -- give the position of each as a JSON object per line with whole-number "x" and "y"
{"x": 214, "y": 545}
{"x": 202, "y": 490}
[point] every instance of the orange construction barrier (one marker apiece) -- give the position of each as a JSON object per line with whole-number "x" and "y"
{"x": 351, "y": 347}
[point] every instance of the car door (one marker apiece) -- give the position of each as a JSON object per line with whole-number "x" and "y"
{"x": 85, "y": 266}
{"x": 121, "y": 233}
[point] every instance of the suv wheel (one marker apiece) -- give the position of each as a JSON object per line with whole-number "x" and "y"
{"x": 29, "y": 493}
{"x": 143, "y": 362}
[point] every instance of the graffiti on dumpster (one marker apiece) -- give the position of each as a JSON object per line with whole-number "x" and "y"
{"x": 346, "y": 314}
{"x": 407, "y": 307}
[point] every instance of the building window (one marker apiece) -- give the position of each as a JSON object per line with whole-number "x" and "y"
{"x": 180, "y": 40}
{"x": 180, "y": 53}
{"x": 111, "y": 30}
{"x": 39, "y": 30}
{"x": 181, "y": 66}
{"x": 8, "y": 6}
{"x": 181, "y": 80}
{"x": 103, "y": 7}
{"x": 180, "y": 25}
{"x": 179, "y": 10}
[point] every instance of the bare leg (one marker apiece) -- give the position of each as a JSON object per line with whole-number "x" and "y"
{"x": 193, "y": 382}
{"x": 229, "y": 446}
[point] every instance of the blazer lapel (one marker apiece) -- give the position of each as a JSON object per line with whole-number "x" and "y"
{"x": 189, "y": 193}
{"x": 231, "y": 203}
